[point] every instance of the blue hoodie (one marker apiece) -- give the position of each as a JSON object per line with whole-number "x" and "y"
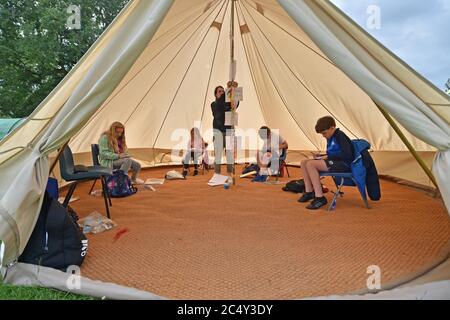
{"x": 339, "y": 147}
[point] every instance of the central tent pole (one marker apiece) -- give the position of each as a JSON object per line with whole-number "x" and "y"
{"x": 232, "y": 102}
{"x": 232, "y": 33}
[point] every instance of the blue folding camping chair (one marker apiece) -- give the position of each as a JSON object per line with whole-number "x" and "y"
{"x": 355, "y": 178}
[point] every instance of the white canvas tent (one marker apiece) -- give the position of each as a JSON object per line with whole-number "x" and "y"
{"x": 155, "y": 69}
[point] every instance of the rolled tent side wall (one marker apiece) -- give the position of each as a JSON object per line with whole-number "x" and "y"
{"x": 24, "y": 176}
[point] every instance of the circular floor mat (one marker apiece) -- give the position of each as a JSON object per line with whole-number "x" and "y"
{"x": 254, "y": 241}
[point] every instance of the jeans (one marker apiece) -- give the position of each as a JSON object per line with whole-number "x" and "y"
{"x": 191, "y": 155}
{"x": 126, "y": 164}
{"x": 219, "y": 145}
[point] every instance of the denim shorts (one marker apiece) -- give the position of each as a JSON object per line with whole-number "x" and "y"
{"x": 337, "y": 166}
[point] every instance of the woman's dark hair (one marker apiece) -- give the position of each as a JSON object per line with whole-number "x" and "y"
{"x": 325, "y": 123}
{"x": 195, "y": 132}
{"x": 217, "y": 88}
{"x": 264, "y": 132}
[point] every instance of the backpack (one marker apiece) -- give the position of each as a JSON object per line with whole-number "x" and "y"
{"x": 57, "y": 241}
{"x": 119, "y": 185}
{"x": 296, "y": 186}
{"x": 250, "y": 167}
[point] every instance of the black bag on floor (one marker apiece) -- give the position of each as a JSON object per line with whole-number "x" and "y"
{"x": 296, "y": 186}
{"x": 57, "y": 241}
{"x": 250, "y": 167}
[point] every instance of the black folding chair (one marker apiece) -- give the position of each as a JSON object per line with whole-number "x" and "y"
{"x": 78, "y": 173}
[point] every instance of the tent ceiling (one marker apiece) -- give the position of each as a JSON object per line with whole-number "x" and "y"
{"x": 288, "y": 82}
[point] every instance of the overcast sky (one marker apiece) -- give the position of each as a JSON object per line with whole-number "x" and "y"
{"x": 418, "y": 31}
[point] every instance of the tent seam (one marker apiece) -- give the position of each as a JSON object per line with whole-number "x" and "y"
{"x": 165, "y": 69}
{"x": 384, "y": 68}
{"x": 251, "y": 72}
{"x": 184, "y": 76}
{"x": 276, "y": 88}
{"x": 291, "y": 35}
{"x": 144, "y": 67}
{"x": 210, "y": 75}
{"x": 301, "y": 82}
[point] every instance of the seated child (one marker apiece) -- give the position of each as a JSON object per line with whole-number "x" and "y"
{"x": 113, "y": 152}
{"x": 205, "y": 160}
{"x": 269, "y": 156}
{"x": 264, "y": 167}
{"x": 196, "y": 147}
{"x": 338, "y": 158}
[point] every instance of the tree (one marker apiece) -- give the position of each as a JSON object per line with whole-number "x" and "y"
{"x": 37, "y": 49}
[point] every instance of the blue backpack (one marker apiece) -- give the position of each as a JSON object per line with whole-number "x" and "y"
{"x": 119, "y": 185}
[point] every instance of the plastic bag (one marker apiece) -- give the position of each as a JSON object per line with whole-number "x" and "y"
{"x": 96, "y": 223}
{"x": 175, "y": 175}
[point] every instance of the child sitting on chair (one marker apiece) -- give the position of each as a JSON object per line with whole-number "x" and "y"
{"x": 113, "y": 152}
{"x": 264, "y": 161}
{"x": 338, "y": 159}
{"x": 196, "y": 147}
{"x": 269, "y": 156}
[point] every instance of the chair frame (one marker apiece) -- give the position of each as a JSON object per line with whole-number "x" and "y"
{"x": 74, "y": 182}
{"x": 106, "y": 195}
{"x": 339, "y": 186}
{"x": 281, "y": 163}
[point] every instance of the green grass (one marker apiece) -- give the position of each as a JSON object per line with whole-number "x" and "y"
{"x": 8, "y": 292}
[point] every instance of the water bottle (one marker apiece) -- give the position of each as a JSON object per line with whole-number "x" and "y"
{"x": 228, "y": 183}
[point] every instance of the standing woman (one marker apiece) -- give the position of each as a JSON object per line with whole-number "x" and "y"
{"x": 218, "y": 108}
{"x": 114, "y": 152}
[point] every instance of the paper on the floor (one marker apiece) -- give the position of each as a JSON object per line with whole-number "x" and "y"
{"x": 152, "y": 181}
{"x": 217, "y": 180}
{"x": 149, "y": 187}
{"x": 251, "y": 173}
{"x": 61, "y": 199}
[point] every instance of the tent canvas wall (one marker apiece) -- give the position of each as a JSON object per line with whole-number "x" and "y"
{"x": 155, "y": 69}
